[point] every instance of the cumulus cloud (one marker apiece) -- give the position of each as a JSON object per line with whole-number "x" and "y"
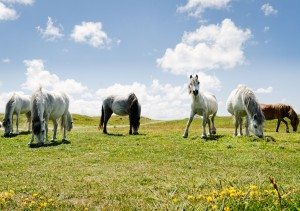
{"x": 207, "y": 48}
{"x": 268, "y": 9}
{"x": 197, "y": 7}
{"x": 7, "y": 13}
{"x": 264, "y": 90}
{"x": 51, "y": 32}
{"x": 37, "y": 76}
{"x": 24, "y": 2}
{"x": 91, "y": 33}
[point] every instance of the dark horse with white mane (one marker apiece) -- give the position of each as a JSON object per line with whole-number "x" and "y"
{"x": 122, "y": 106}
{"x": 280, "y": 111}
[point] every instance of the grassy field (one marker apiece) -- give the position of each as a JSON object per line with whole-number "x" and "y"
{"x": 155, "y": 170}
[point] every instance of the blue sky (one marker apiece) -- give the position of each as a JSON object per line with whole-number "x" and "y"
{"x": 121, "y": 46}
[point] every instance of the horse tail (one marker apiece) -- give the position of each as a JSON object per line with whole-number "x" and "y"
{"x": 101, "y": 118}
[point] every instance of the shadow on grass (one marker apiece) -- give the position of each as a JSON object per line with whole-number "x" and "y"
{"x": 12, "y": 135}
{"x": 51, "y": 144}
{"x": 118, "y": 134}
{"x": 209, "y": 138}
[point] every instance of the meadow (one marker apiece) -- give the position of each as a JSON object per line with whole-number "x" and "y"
{"x": 157, "y": 169}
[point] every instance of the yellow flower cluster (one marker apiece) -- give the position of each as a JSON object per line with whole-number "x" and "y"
{"x": 6, "y": 196}
{"x": 36, "y": 201}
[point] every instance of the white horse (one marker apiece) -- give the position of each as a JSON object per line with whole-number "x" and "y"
{"x": 17, "y": 104}
{"x": 242, "y": 102}
{"x": 120, "y": 105}
{"x": 47, "y": 106}
{"x": 204, "y": 104}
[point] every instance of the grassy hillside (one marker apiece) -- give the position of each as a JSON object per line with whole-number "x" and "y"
{"x": 155, "y": 170}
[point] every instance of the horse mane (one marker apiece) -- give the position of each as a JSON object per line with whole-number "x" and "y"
{"x": 252, "y": 104}
{"x": 134, "y": 110}
{"x": 9, "y": 108}
{"x": 69, "y": 122}
{"x": 293, "y": 115}
{"x": 36, "y": 121}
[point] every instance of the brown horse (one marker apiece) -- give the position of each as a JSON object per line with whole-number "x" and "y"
{"x": 280, "y": 111}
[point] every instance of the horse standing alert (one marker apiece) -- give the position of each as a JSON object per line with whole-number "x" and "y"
{"x": 204, "y": 104}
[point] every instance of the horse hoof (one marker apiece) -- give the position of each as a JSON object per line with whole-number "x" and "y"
{"x": 203, "y": 136}
{"x": 184, "y": 135}
{"x": 53, "y": 140}
{"x": 214, "y": 132}
{"x": 135, "y": 133}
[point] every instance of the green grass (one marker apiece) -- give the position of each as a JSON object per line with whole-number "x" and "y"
{"x": 155, "y": 170}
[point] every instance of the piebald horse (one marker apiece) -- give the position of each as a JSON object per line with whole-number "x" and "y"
{"x": 121, "y": 105}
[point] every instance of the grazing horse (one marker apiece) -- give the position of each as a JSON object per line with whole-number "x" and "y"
{"x": 204, "y": 104}
{"x": 17, "y": 104}
{"x": 242, "y": 102}
{"x": 122, "y": 106}
{"x": 47, "y": 106}
{"x": 280, "y": 111}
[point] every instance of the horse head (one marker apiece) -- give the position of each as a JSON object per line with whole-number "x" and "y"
{"x": 194, "y": 85}
{"x": 38, "y": 130}
{"x": 294, "y": 119}
{"x": 7, "y": 127}
{"x": 256, "y": 125}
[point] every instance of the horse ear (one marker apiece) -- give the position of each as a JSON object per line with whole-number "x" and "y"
{"x": 197, "y": 76}
{"x": 191, "y": 76}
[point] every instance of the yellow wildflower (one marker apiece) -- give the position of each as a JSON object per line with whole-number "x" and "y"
{"x": 209, "y": 199}
{"x": 175, "y": 200}
{"x": 35, "y": 195}
{"x": 191, "y": 198}
{"x": 226, "y": 209}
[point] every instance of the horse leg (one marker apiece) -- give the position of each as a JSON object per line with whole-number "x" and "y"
{"x": 46, "y": 128}
{"x": 17, "y": 123}
{"x": 214, "y": 130}
{"x": 107, "y": 115}
{"x": 286, "y": 124}
{"x": 205, "y": 117}
{"x": 278, "y": 125}
{"x": 247, "y": 126}
{"x": 236, "y": 124}
{"x": 209, "y": 127}
{"x": 241, "y": 126}
{"x": 28, "y": 115}
{"x": 64, "y": 139}
{"x": 186, "y": 132}
{"x": 55, "y": 124}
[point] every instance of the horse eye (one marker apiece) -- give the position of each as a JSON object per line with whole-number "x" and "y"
{"x": 255, "y": 126}
{"x": 198, "y": 82}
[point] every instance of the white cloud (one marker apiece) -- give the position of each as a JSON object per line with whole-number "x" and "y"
{"x": 7, "y": 13}
{"x": 159, "y": 101}
{"x": 91, "y": 33}
{"x": 266, "y": 28}
{"x": 196, "y": 7}
{"x": 37, "y": 76}
{"x": 24, "y": 2}
{"x": 268, "y": 9}
{"x": 6, "y": 60}
{"x": 51, "y": 32}
{"x": 209, "y": 47}
{"x": 264, "y": 90}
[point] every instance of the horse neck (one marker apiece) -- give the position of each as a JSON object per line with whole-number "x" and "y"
{"x": 292, "y": 114}
{"x": 37, "y": 109}
{"x": 199, "y": 97}
{"x": 252, "y": 106}
{"x": 10, "y": 107}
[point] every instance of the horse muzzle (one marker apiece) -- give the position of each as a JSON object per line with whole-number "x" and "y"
{"x": 195, "y": 92}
